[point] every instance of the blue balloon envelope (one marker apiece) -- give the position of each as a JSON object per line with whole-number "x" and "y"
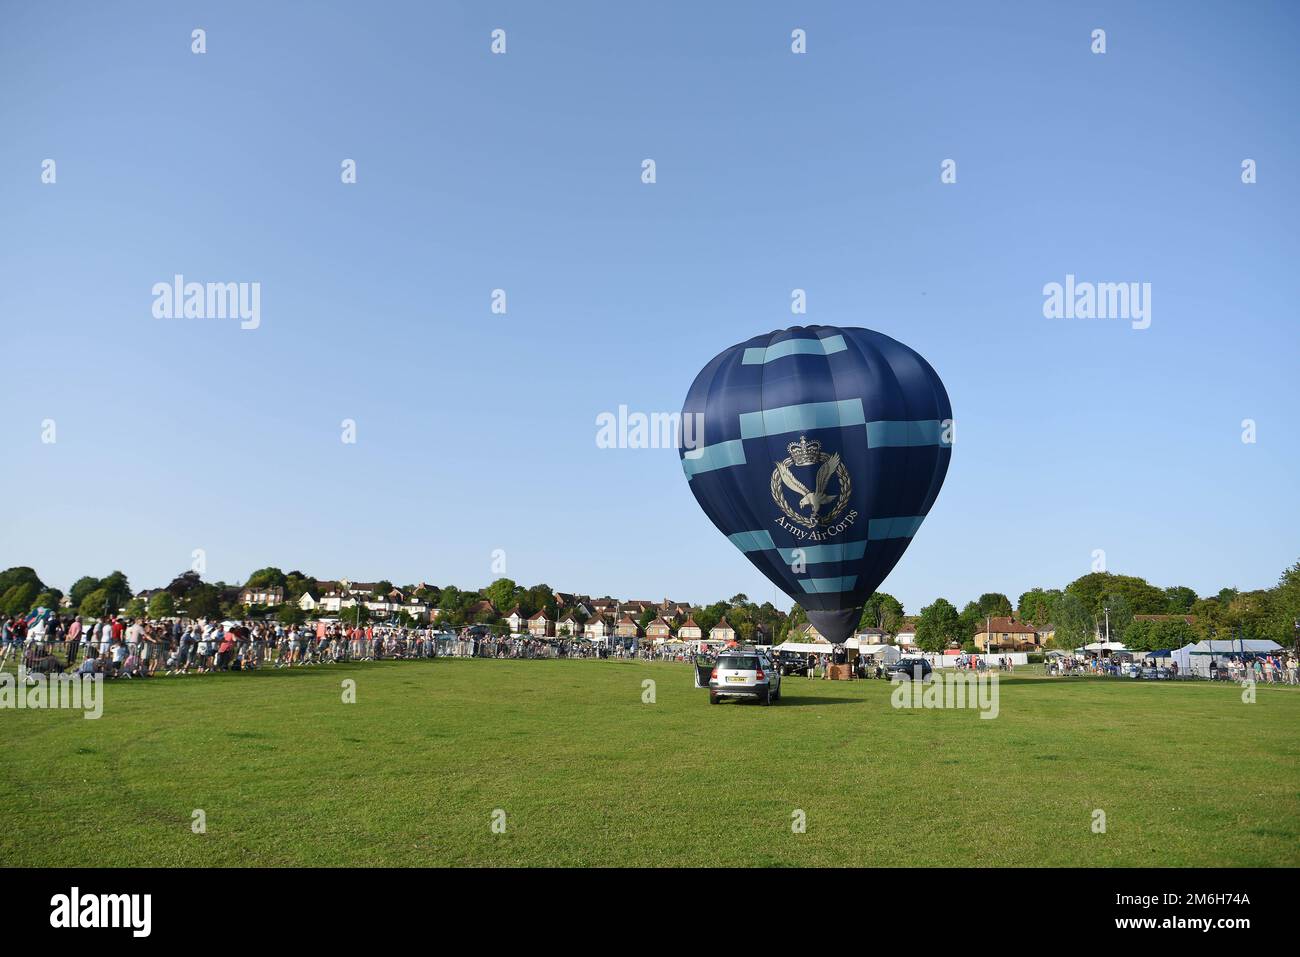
{"x": 818, "y": 451}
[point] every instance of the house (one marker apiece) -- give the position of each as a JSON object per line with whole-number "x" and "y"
{"x": 627, "y": 627}
{"x": 673, "y": 609}
{"x": 482, "y": 609}
{"x": 871, "y": 636}
{"x": 1045, "y": 634}
{"x": 722, "y": 631}
{"x": 597, "y": 628}
{"x": 515, "y": 620}
{"x": 416, "y": 608}
{"x": 806, "y": 633}
{"x": 307, "y": 601}
{"x": 569, "y": 625}
{"x": 689, "y": 631}
{"x": 540, "y": 626}
{"x": 1006, "y": 634}
{"x": 906, "y": 639}
{"x": 659, "y": 630}
{"x": 269, "y": 595}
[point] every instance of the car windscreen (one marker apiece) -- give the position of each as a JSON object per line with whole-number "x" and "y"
{"x": 738, "y": 664}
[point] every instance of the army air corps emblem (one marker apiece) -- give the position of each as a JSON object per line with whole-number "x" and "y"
{"x": 819, "y": 505}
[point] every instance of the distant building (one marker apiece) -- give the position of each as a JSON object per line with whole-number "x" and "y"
{"x": 1006, "y": 634}
{"x": 627, "y": 627}
{"x": 722, "y": 631}
{"x": 597, "y": 628}
{"x": 806, "y": 633}
{"x": 540, "y": 626}
{"x": 658, "y": 630}
{"x": 269, "y": 595}
{"x": 689, "y": 631}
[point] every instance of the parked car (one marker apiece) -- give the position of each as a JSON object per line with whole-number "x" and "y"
{"x": 791, "y": 663}
{"x": 745, "y": 674}
{"x": 907, "y": 669}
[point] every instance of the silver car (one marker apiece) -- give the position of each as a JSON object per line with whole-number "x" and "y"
{"x": 744, "y": 674}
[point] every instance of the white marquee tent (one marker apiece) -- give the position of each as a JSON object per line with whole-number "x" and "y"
{"x": 1195, "y": 658}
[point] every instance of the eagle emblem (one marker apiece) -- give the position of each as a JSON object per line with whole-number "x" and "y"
{"x": 822, "y": 504}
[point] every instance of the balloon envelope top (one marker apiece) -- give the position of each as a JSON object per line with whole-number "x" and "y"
{"x": 818, "y": 451}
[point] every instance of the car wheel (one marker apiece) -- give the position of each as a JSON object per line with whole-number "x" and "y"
{"x": 765, "y": 698}
{"x": 713, "y": 699}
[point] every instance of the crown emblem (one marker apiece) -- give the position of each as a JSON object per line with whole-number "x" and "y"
{"x": 804, "y": 452}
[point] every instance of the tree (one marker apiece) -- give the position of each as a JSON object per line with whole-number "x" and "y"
{"x": 204, "y": 601}
{"x": 95, "y": 605}
{"x": 162, "y": 605}
{"x": 994, "y": 604}
{"x": 791, "y": 621}
{"x": 290, "y": 614}
{"x": 1038, "y": 605}
{"x": 1116, "y": 612}
{"x": 18, "y": 599}
{"x": 1143, "y": 598}
{"x": 81, "y": 588}
{"x": 135, "y": 608}
{"x": 502, "y": 593}
{"x": 50, "y": 598}
{"x": 882, "y": 611}
{"x": 182, "y": 585}
{"x": 266, "y": 578}
{"x": 118, "y": 589}
{"x": 938, "y": 625}
{"x": 20, "y": 575}
{"x": 1074, "y": 622}
{"x": 296, "y": 584}
{"x": 1179, "y": 600}
{"x": 1281, "y": 625}
{"x": 972, "y": 621}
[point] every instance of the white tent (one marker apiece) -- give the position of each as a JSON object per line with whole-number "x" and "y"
{"x": 1195, "y": 658}
{"x": 886, "y": 654}
{"x": 817, "y": 647}
{"x": 1106, "y": 646}
{"x": 806, "y": 647}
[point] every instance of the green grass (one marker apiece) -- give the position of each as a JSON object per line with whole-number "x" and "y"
{"x": 588, "y": 775}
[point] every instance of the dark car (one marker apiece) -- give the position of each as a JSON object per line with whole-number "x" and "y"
{"x": 907, "y": 669}
{"x": 792, "y": 663}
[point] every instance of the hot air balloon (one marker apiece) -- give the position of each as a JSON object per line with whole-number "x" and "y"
{"x": 818, "y": 451}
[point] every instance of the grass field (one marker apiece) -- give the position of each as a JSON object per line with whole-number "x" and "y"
{"x": 587, "y": 774}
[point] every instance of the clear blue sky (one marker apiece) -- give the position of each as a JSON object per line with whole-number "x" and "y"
{"x": 775, "y": 171}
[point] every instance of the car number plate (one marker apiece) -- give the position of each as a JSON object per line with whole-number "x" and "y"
{"x": 735, "y": 677}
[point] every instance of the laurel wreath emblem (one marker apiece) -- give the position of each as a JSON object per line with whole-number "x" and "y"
{"x": 841, "y": 503}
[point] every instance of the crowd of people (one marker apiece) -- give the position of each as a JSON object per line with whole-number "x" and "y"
{"x": 1263, "y": 669}
{"x": 136, "y": 648}
{"x": 117, "y": 646}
